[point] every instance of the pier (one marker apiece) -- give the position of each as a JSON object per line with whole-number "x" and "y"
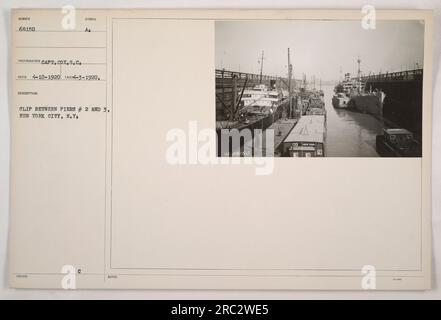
{"x": 403, "y": 98}
{"x": 407, "y": 75}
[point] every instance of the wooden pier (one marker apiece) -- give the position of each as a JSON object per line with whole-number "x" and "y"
{"x": 407, "y": 75}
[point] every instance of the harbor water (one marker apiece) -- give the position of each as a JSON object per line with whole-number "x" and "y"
{"x": 349, "y": 133}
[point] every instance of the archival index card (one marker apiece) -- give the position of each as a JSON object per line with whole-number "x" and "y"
{"x": 220, "y": 149}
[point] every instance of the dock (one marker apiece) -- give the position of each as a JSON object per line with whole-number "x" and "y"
{"x": 282, "y": 128}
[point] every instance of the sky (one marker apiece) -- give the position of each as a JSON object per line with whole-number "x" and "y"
{"x": 319, "y": 48}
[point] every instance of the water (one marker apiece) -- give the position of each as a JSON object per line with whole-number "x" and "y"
{"x": 349, "y": 133}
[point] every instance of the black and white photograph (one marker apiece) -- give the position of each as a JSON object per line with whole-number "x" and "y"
{"x": 322, "y": 88}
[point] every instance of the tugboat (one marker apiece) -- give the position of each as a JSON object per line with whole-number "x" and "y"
{"x": 343, "y": 92}
{"x": 397, "y": 143}
{"x": 340, "y": 100}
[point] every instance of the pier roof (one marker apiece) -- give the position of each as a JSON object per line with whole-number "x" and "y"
{"x": 308, "y": 129}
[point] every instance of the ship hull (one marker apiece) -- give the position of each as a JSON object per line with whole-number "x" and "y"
{"x": 260, "y": 124}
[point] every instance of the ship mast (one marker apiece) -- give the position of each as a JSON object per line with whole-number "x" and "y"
{"x": 289, "y": 84}
{"x": 261, "y": 66}
{"x": 359, "y": 74}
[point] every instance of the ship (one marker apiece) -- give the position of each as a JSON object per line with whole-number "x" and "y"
{"x": 345, "y": 90}
{"x": 259, "y": 107}
{"x": 260, "y": 100}
{"x": 340, "y": 100}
